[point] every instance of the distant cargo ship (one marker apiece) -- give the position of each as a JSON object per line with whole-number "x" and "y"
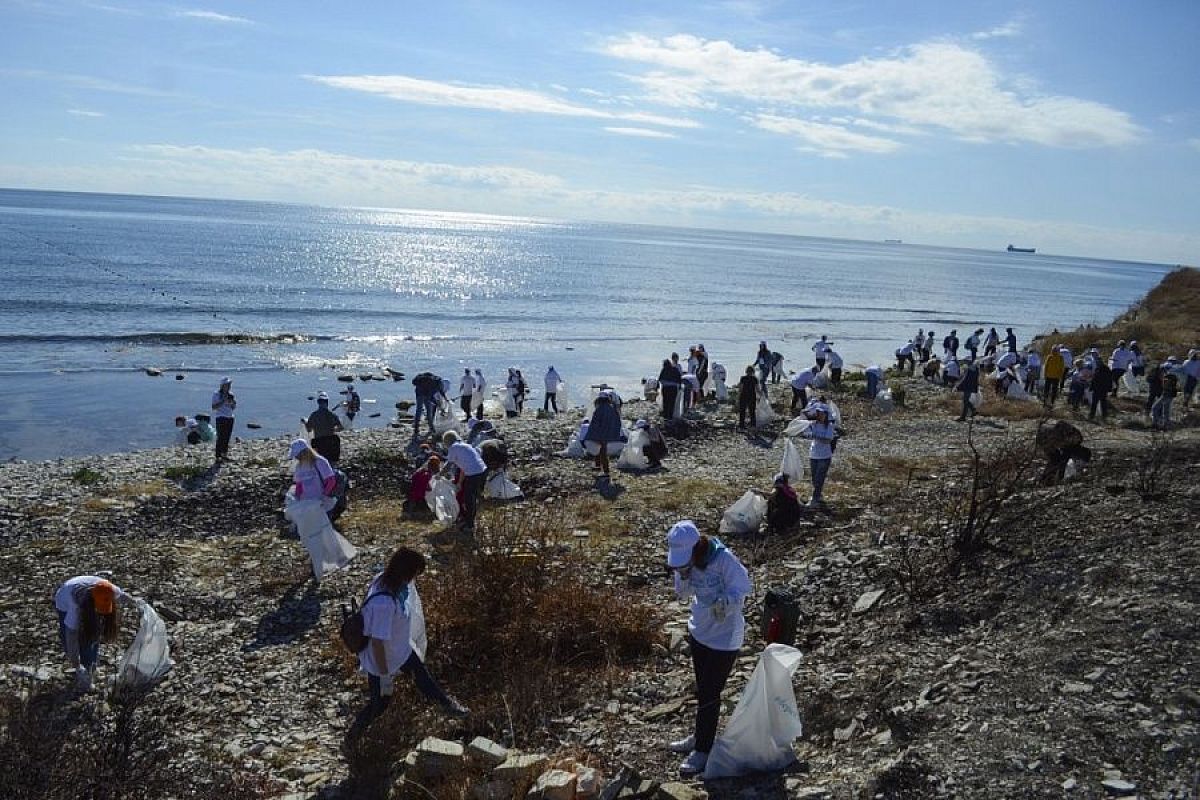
{"x": 1012, "y": 249}
{"x": 893, "y": 241}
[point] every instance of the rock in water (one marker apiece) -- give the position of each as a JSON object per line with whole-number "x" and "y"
{"x": 153, "y": 372}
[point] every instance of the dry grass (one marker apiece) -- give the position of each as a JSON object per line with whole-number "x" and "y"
{"x": 1165, "y": 322}
{"x": 1000, "y": 407}
{"x": 595, "y": 514}
{"x": 682, "y": 494}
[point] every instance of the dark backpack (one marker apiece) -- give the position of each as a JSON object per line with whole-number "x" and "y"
{"x": 353, "y": 629}
{"x": 427, "y": 384}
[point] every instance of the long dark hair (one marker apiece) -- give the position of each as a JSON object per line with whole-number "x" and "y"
{"x": 404, "y": 565}
{"x": 700, "y": 552}
{"x": 93, "y": 625}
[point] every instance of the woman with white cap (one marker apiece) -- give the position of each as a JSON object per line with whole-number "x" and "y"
{"x": 223, "y": 404}
{"x": 820, "y": 452}
{"x": 88, "y": 613}
{"x": 311, "y": 498}
{"x": 717, "y": 584}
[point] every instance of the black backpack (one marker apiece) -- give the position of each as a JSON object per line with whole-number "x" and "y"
{"x": 353, "y": 629}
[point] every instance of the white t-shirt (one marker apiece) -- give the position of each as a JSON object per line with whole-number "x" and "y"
{"x": 802, "y": 379}
{"x": 466, "y": 458}
{"x": 906, "y": 350}
{"x": 392, "y": 622}
{"x": 724, "y": 580}
{"x": 822, "y": 434}
{"x": 552, "y": 382}
{"x": 69, "y": 595}
{"x": 222, "y": 408}
{"x": 1191, "y": 368}
{"x": 1007, "y": 360}
{"x": 466, "y": 386}
{"x": 835, "y": 360}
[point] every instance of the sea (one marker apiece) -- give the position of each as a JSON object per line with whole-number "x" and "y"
{"x": 99, "y": 289}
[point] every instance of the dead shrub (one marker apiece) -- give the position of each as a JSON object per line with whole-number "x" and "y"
{"x": 519, "y": 631}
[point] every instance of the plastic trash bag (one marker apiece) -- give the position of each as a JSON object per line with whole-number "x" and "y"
{"x": 792, "y": 464}
{"x": 327, "y": 548}
{"x": 763, "y": 413}
{"x": 561, "y": 397}
{"x": 633, "y": 455}
{"x": 441, "y": 498}
{"x": 446, "y": 419}
{"x": 416, "y": 631}
{"x": 835, "y": 413}
{"x": 574, "y": 448}
{"x": 499, "y": 487}
{"x": 1131, "y": 382}
{"x": 507, "y": 402}
{"x": 1071, "y": 470}
{"x": 148, "y": 658}
{"x": 797, "y": 427}
{"x": 1017, "y": 392}
{"x": 822, "y": 380}
{"x": 614, "y": 448}
{"x": 976, "y": 400}
{"x": 745, "y": 515}
{"x": 884, "y": 402}
{"x": 759, "y": 735}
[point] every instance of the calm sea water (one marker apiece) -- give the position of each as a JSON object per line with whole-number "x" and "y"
{"x": 97, "y": 287}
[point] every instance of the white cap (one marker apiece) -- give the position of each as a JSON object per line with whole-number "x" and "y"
{"x": 681, "y": 540}
{"x": 297, "y": 447}
{"x": 226, "y": 380}
{"x": 322, "y": 395}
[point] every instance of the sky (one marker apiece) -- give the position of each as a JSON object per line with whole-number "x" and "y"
{"x": 1072, "y": 126}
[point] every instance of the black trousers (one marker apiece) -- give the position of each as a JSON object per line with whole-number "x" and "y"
{"x": 472, "y": 489}
{"x": 712, "y": 668}
{"x": 1099, "y": 400}
{"x": 465, "y": 403}
{"x": 329, "y": 446}
{"x": 551, "y": 400}
{"x": 224, "y": 434}
{"x": 747, "y": 405}
{"x": 799, "y": 396}
{"x": 669, "y": 395}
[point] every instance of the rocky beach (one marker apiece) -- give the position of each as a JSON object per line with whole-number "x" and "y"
{"x": 1059, "y": 657}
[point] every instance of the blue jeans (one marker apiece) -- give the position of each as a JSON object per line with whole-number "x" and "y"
{"x": 89, "y": 654}
{"x": 424, "y": 682}
{"x": 425, "y": 407}
{"x": 872, "y": 385}
{"x": 820, "y": 468}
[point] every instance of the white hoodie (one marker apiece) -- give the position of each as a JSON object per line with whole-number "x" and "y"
{"x": 552, "y": 381}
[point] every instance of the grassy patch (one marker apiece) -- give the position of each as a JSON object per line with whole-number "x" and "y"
{"x": 678, "y": 494}
{"x": 85, "y": 476}
{"x": 186, "y": 472}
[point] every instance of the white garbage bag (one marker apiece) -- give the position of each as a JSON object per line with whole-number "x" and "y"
{"x": 445, "y": 419}
{"x": 884, "y": 402}
{"x": 633, "y": 455}
{"x": 722, "y": 390}
{"x": 562, "y": 397}
{"x": 441, "y": 498}
{"x": 148, "y": 658}
{"x": 499, "y": 487}
{"x": 1131, "y": 382}
{"x": 1017, "y": 392}
{"x": 792, "y": 464}
{"x": 507, "y": 402}
{"x": 416, "y": 630}
{"x": 976, "y": 400}
{"x": 746, "y": 515}
{"x": 766, "y": 721}
{"x": 822, "y": 380}
{"x": 763, "y": 414}
{"x": 835, "y": 413}
{"x": 614, "y": 448}
{"x": 327, "y": 548}
{"x": 574, "y": 448}
{"x": 797, "y": 427}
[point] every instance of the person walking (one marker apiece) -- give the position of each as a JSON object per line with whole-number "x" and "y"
{"x": 323, "y": 425}
{"x": 764, "y": 360}
{"x": 472, "y": 472}
{"x": 1120, "y": 361}
{"x": 1033, "y": 368}
{"x": 353, "y": 404}
{"x": 519, "y": 397}
{"x": 1102, "y": 386}
{"x": 991, "y": 343}
{"x": 670, "y": 379}
{"x": 702, "y": 370}
{"x": 603, "y": 429}
{"x": 820, "y": 349}
{"x": 310, "y": 503}
{"x": 552, "y": 384}
{"x": 480, "y": 395}
{"x": 820, "y": 451}
{"x": 428, "y": 388}
{"x": 394, "y": 624}
{"x": 973, "y": 341}
{"x": 1160, "y": 411}
{"x": 709, "y": 575}
{"x": 1054, "y": 369}
{"x": 88, "y": 614}
{"x": 748, "y": 399}
{"x": 950, "y": 344}
{"x": 968, "y": 384}
{"x": 223, "y": 404}
{"x": 1010, "y": 340}
{"x": 466, "y": 391}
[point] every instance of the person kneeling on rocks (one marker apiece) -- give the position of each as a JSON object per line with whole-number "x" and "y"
{"x": 708, "y": 574}
{"x": 783, "y": 507}
{"x": 394, "y": 624}
{"x": 88, "y": 614}
{"x": 418, "y": 487}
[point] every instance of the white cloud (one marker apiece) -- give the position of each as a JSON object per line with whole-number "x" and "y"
{"x": 80, "y": 112}
{"x": 1005, "y": 31}
{"x": 307, "y": 167}
{"x": 832, "y": 141}
{"x": 491, "y": 98}
{"x": 85, "y": 82}
{"x": 648, "y": 133}
{"x": 933, "y": 85}
{"x": 213, "y": 16}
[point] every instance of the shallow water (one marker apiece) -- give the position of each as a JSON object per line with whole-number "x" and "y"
{"x": 285, "y": 298}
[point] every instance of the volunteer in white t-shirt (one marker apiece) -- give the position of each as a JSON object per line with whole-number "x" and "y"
{"x": 800, "y": 383}
{"x": 466, "y": 391}
{"x": 223, "y": 405}
{"x": 834, "y": 361}
{"x": 394, "y": 624}
{"x": 471, "y": 473}
{"x": 88, "y": 613}
{"x": 717, "y": 584}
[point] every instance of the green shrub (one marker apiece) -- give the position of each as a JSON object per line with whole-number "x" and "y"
{"x": 86, "y": 476}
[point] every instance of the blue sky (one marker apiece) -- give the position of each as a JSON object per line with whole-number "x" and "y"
{"x": 1070, "y": 126}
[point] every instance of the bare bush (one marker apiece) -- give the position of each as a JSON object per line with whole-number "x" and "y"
{"x": 1153, "y": 466}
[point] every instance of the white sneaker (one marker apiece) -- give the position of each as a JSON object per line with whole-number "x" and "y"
{"x": 694, "y": 764}
{"x": 682, "y": 745}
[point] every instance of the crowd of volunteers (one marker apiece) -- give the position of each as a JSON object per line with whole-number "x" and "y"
{"x": 465, "y": 456}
